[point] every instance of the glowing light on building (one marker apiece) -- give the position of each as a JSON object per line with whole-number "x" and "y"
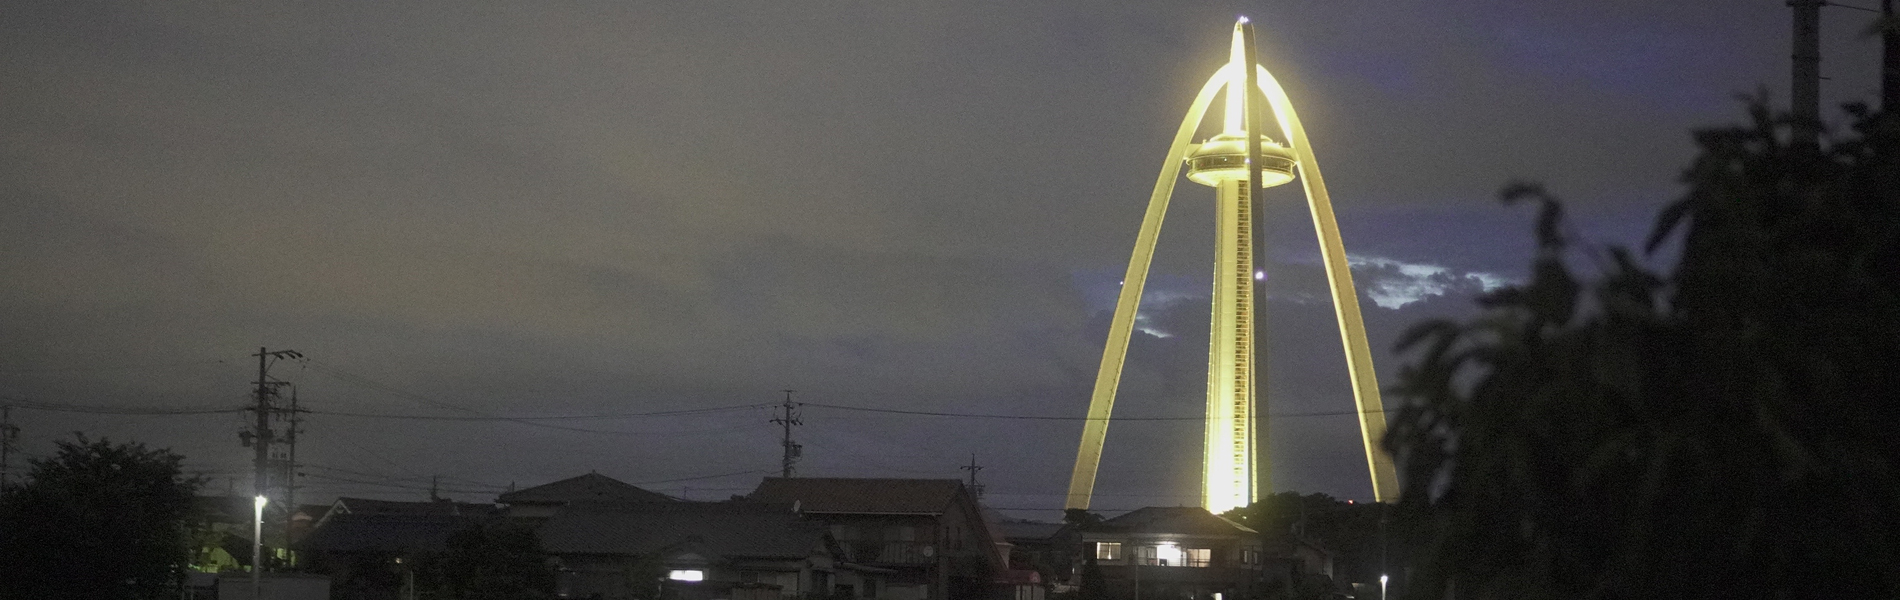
{"x": 1236, "y": 162}
{"x": 686, "y": 575}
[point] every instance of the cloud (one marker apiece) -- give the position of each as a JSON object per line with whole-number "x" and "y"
{"x": 1394, "y": 283}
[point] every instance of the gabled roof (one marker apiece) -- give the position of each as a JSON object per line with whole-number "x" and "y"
{"x": 592, "y": 487}
{"x": 1191, "y": 520}
{"x": 372, "y": 506}
{"x": 861, "y": 496}
{"x": 386, "y": 532}
{"x": 720, "y": 530}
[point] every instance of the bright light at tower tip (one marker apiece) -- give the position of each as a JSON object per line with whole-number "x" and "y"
{"x": 1243, "y": 18}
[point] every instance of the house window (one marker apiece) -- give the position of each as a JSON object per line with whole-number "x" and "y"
{"x": 1196, "y": 557}
{"x": 1168, "y": 555}
{"x": 686, "y": 575}
{"x": 1108, "y": 551}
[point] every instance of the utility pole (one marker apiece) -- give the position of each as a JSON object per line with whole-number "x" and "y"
{"x": 261, "y": 437}
{"x": 975, "y": 488}
{"x": 1805, "y": 94}
{"x": 791, "y": 450}
{"x": 8, "y": 431}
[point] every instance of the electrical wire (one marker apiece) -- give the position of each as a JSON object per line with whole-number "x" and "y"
{"x": 372, "y": 384}
{"x": 925, "y": 413}
{"x": 119, "y": 410}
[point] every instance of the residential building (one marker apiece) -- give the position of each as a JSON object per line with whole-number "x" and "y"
{"x": 1048, "y": 549}
{"x": 542, "y": 501}
{"x": 1175, "y": 552}
{"x": 369, "y": 547}
{"x": 930, "y": 533}
{"x": 699, "y": 551}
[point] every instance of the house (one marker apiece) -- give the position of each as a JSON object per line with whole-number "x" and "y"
{"x": 930, "y": 533}
{"x": 699, "y": 551}
{"x": 1048, "y": 549}
{"x": 542, "y": 501}
{"x": 368, "y": 547}
{"x": 371, "y": 506}
{"x": 221, "y": 530}
{"x": 1175, "y": 552}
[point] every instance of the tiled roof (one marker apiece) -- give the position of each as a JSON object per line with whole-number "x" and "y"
{"x": 385, "y": 532}
{"x": 721, "y": 529}
{"x": 592, "y": 487}
{"x": 1192, "y": 520}
{"x": 371, "y": 506}
{"x": 860, "y": 496}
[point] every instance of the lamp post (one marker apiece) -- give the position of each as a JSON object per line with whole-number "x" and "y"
{"x": 1382, "y": 580}
{"x": 257, "y": 547}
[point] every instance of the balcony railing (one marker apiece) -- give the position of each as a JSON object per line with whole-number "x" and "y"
{"x": 908, "y": 553}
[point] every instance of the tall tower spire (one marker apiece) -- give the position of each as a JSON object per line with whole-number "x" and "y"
{"x": 1236, "y": 163}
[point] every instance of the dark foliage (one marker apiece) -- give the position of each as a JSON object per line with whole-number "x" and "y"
{"x": 1365, "y": 540}
{"x": 497, "y": 560}
{"x": 97, "y": 520}
{"x": 1080, "y": 518}
{"x": 1721, "y": 432}
{"x": 1093, "y": 585}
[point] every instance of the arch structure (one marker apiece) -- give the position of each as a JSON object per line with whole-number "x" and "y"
{"x": 1236, "y": 162}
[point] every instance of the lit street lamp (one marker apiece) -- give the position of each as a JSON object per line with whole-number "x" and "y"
{"x": 257, "y": 547}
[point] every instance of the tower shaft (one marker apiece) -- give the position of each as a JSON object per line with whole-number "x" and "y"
{"x": 1228, "y": 460}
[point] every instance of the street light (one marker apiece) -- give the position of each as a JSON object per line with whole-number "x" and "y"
{"x": 257, "y": 547}
{"x": 1382, "y": 580}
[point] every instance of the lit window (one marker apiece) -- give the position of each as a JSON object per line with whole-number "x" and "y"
{"x": 1168, "y": 555}
{"x": 686, "y": 575}
{"x": 1108, "y": 551}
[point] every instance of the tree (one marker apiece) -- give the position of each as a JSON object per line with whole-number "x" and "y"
{"x": 1091, "y": 584}
{"x": 495, "y": 560}
{"x": 1722, "y": 431}
{"x": 97, "y": 520}
{"x": 1363, "y": 539}
{"x": 1080, "y": 518}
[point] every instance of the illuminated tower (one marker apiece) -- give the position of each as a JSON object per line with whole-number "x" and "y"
{"x": 1235, "y": 162}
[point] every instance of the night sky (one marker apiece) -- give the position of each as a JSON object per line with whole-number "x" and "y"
{"x": 466, "y": 210}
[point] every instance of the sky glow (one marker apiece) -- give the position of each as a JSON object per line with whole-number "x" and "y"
{"x": 543, "y": 209}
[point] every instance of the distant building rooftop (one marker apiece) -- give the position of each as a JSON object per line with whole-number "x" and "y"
{"x": 592, "y": 487}
{"x": 1192, "y": 520}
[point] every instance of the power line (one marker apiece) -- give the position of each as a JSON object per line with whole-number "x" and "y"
{"x": 597, "y": 417}
{"x": 732, "y": 474}
{"x": 925, "y": 413}
{"x": 114, "y": 368}
{"x": 366, "y": 382}
{"x": 122, "y": 410}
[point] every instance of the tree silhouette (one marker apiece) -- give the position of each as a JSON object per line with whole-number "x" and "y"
{"x": 96, "y": 520}
{"x": 1722, "y": 431}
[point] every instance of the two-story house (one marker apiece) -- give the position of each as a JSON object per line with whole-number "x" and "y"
{"x": 699, "y": 551}
{"x": 1175, "y": 552}
{"x": 930, "y": 533}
